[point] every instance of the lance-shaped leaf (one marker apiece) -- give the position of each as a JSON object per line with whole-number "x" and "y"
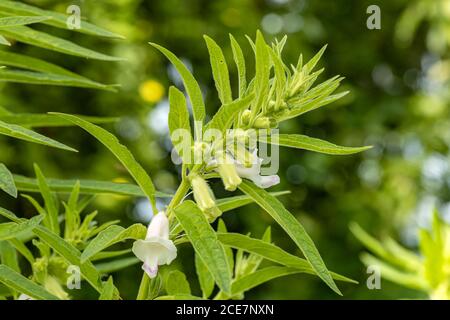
{"x": 86, "y": 187}
{"x": 262, "y": 73}
{"x": 271, "y": 252}
{"x": 205, "y": 243}
{"x": 177, "y": 284}
{"x": 220, "y": 71}
{"x": 121, "y": 152}
{"x": 37, "y": 120}
{"x": 116, "y": 265}
{"x": 231, "y": 203}
{"x": 22, "y": 133}
{"x": 108, "y": 290}
{"x": 226, "y": 114}
{"x": 204, "y": 277}
{"x": 39, "y": 65}
{"x": 51, "y": 220}
{"x": 58, "y": 20}
{"x": 7, "y": 181}
{"x": 179, "y": 126}
{"x": 44, "y": 40}
{"x": 20, "y": 21}
{"x": 192, "y": 88}
{"x": 259, "y": 277}
{"x": 239, "y": 59}
{"x": 4, "y": 41}
{"x": 313, "y": 104}
{"x": 299, "y": 141}
{"x": 41, "y": 78}
{"x": 17, "y": 282}
{"x": 11, "y": 230}
{"x": 110, "y": 236}
{"x": 8, "y": 256}
{"x": 292, "y": 227}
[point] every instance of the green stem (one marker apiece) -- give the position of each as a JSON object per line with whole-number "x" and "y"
{"x": 143, "y": 288}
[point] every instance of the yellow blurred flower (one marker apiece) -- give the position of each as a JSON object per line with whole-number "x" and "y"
{"x": 151, "y": 91}
{"x": 120, "y": 180}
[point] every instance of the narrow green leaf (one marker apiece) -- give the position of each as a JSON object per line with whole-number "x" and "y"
{"x": 44, "y": 40}
{"x": 231, "y": 203}
{"x": 86, "y": 187}
{"x": 221, "y": 227}
{"x": 226, "y": 114}
{"x": 177, "y": 284}
{"x": 41, "y": 78}
{"x": 110, "y": 254}
{"x": 7, "y": 181}
{"x": 240, "y": 65}
{"x": 271, "y": 252}
{"x": 192, "y": 87}
{"x": 4, "y": 41}
{"x": 205, "y": 243}
{"x": 11, "y": 230}
{"x": 51, "y": 220}
{"x": 16, "y": 281}
{"x": 116, "y": 265}
{"x": 22, "y": 133}
{"x": 58, "y": 20}
{"x": 108, "y": 290}
{"x": 22, "y": 249}
{"x": 259, "y": 277}
{"x": 20, "y": 21}
{"x": 121, "y": 152}
{"x": 292, "y": 227}
{"x": 110, "y": 236}
{"x": 262, "y": 73}
{"x": 313, "y": 62}
{"x": 36, "y": 120}
{"x": 204, "y": 277}
{"x": 8, "y": 256}
{"x": 220, "y": 71}
{"x": 312, "y": 144}
{"x": 311, "y": 105}
{"x": 179, "y": 126}
{"x": 34, "y": 64}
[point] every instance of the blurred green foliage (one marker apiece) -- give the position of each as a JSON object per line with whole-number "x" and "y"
{"x": 398, "y": 79}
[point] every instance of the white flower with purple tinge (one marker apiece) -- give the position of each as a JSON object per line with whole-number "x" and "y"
{"x": 254, "y": 173}
{"x": 156, "y": 249}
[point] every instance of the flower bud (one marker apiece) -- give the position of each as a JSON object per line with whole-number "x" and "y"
{"x": 246, "y": 115}
{"x": 262, "y": 123}
{"x": 227, "y": 171}
{"x": 204, "y": 198}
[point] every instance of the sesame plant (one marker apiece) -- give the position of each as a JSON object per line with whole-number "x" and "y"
{"x": 61, "y": 242}
{"x": 426, "y": 271}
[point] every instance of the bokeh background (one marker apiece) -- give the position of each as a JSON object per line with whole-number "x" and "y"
{"x": 399, "y": 80}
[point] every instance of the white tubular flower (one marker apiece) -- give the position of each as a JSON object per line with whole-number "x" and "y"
{"x": 156, "y": 249}
{"x": 254, "y": 173}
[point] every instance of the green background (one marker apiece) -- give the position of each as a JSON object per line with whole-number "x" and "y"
{"x": 398, "y": 79}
